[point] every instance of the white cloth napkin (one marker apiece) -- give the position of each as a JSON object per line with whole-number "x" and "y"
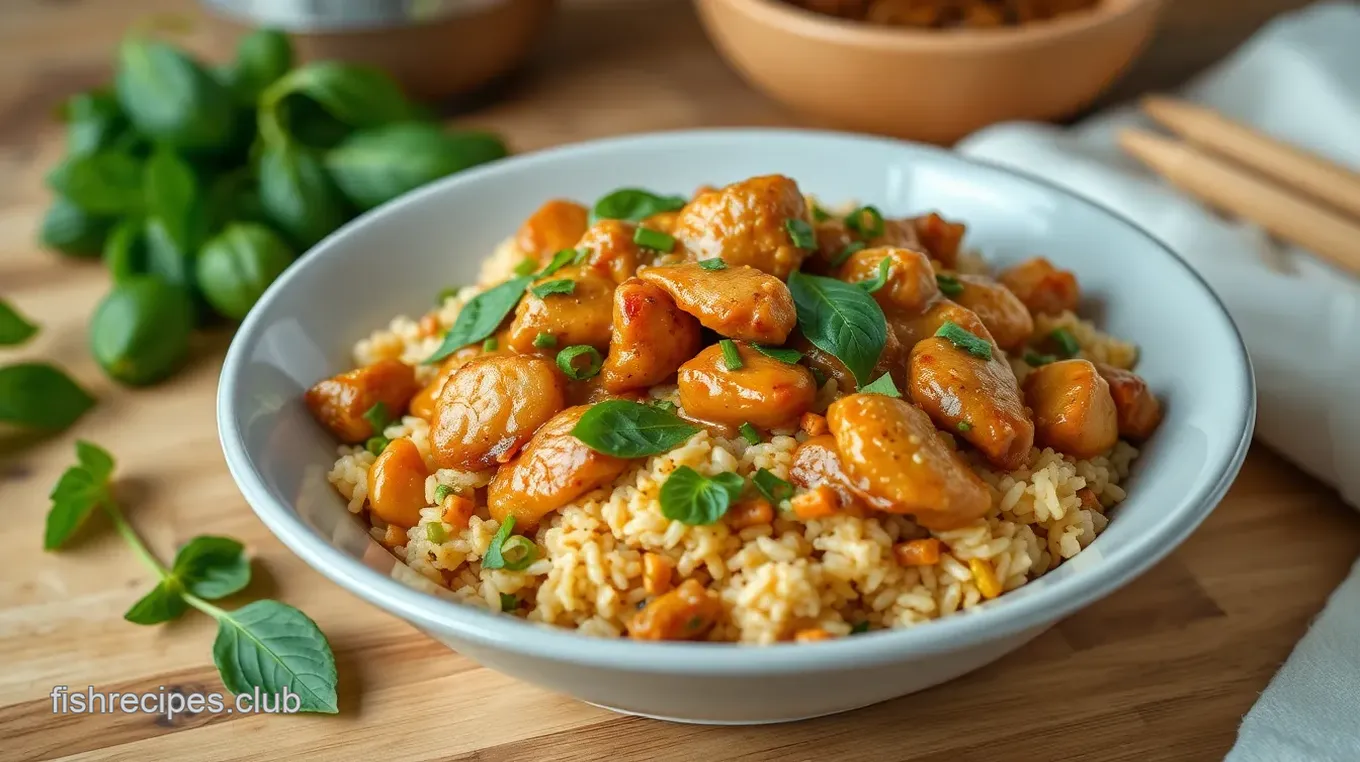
{"x": 1298, "y": 79}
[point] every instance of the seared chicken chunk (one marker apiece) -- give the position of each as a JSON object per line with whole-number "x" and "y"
{"x": 1043, "y": 288}
{"x": 975, "y": 398}
{"x": 911, "y": 329}
{"x": 891, "y": 449}
{"x": 816, "y": 463}
{"x": 611, "y": 251}
{"x": 737, "y": 302}
{"x": 746, "y": 223}
{"x": 581, "y": 316}
{"x": 554, "y": 469}
{"x": 339, "y": 403}
{"x": 940, "y": 238}
{"x": 1137, "y": 411}
{"x": 833, "y": 236}
{"x": 910, "y": 287}
{"x": 765, "y": 392}
{"x": 1073, "y": 410}
{"x": 491, "y": 406}
{"x": 1005, "y": 316}
{"x": 557, "y": 225}
{"x": 396, "y": 484}
{"x": 652, "y": 337}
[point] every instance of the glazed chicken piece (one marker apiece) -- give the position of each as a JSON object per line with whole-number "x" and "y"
{"x": 910, "y": 287}
{"x": 892, "y": 451}
{"x": 833, "y": 236}
{"x": 1005, "y": 316}
{"x": 557, "y": 225}
{"x": 1073, "y": 410}
{"x": 611, "y": 251}
{"x": 339, "y": 403}
{"x": 1043, "y": 288}
{"x": 911, "y": 329}
{"x": 975, "y": 398}
{"x": 745, "y": 223}
{"x": 893, "y": 361}
{"x": 1137, "y": 411}
{"x": 685, "y": 613}
{"x": 737, "y": 302}
{"x": 816, "y": 463}
{"x": 765, "y": 392}
{"x": 651, "y": 337}
{"x": 579, "y": 317}
{"x": 940, "y": 238}
{"x": 423, "y": 404}
{"x": 554, "y": 469}
{"x": 492, "y": 406}
{"x": 396, "y": 484}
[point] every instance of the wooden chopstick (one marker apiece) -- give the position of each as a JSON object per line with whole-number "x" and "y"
{"x": 1292, "y": 166}
{"x": 1245, "y": 194}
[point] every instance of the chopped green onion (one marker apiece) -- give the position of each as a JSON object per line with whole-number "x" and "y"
{"x": 490, "y": 345}
{"x": 527, "y": 266}
{"x": 1067, "y": 343}
{"x": 509, "y": 602}
{"x": 819, "y": 214}
{"x": 378, "y": 417}
{"x": 881, "y": 279}
{"x": 860, "y": 628}
{"x": 846, "y": 253}
{"x": 435, "y": 532}
{"x": 875, "y": 228}
{"x": 559, "y": 286}
{"x": 376, "y": 444}
{"x": 545, "y": 341}
{"x": 966, "y": 340}
{"x": 790, "y": 356}
{"x": 715, "y": 263}
{"x": 965, "y": 426}
{"x": 654, "y": 239}
{"x": 1034, "y": 358}
{"x": 749, "y": 433}
{"x": 518, "y": 552}
{"x": 731, "y": 357}
{"x": 665, "y": 405}
{"x": 495, "y": 556}
{"x": 882, "y": 385}
{"x": 774, "y": 489}
{"x": 949, "y": 285}
{"x": 567, "y": 357}
{"x": 446, "y": 294}
{"x": 559, "y": 260}
{"x": 441, "y": 492}
{"x": 801, "y": 233}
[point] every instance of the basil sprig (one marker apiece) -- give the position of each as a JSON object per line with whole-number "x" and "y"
{"x": 841, "y": 319}
{"x": 633, "y": 205}
{"x": 692, "y": 498}
{"x": 627, "y": 429}
{"x": 481, "y": 316}
{"x": 265, "y": 644}
{"x": 375, "y": 165}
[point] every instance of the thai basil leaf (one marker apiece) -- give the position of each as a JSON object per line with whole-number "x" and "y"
{"x": 883, "y": 385}
{"x": 692, "y": 498}
{"x": 840, "y": 318}
{"x": 481, "y": 316}
{"x": 376, "y": 165}
{"x": 125, "y": 251}
{"x": 298, "y": 195}
{"x": 80, "y": 490}
{"x": 355, "y": 94}
{"x": 212, "y": 567}
{"x": 272, "y": 646}
{"x": 772, "y": 487}
{"x": 164, "y": 603}
{"x": 94, "y": 121}
{"x": 627, "y": 429}
{"x": 634, "y": 205}
{"x": 40, "y": 396}
{"x": 104, "y": 183}
{"x": 73, "y": 231}
{"x": 172, "y": 99}
{"x": 173, "y": 196}
{"x": 236, "y": 266}
{"x": 262, "y": 58}
{"x": 14, "y": 328}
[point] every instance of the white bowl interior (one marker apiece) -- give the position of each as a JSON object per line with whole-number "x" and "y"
{"x": 395, "y": 259}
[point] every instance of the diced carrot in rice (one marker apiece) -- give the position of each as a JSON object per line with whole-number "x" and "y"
{"x": 1089, "y": 501}
{"x": 429, "y": 325}
{"x": 817, "y": 503}
{"x": 751, "y": 512}
{"x": 810, "y": 635}
{"x": 918, "y": 552}
{"x": 813, "y": 425}
{"x": 656, "y": 573}
{"x": 394, "y": 537}
{"x": 458, "y": 511}
{"x": 985, "y": 578}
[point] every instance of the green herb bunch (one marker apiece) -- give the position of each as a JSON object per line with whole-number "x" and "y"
{"x": 199, "y": 185}
{"x": 263, "y": 644}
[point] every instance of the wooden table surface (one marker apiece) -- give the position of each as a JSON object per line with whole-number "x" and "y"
{"x": 1162, "y": 670}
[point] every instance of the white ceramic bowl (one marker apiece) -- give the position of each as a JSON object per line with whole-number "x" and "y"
{"x": 394, "y": 259}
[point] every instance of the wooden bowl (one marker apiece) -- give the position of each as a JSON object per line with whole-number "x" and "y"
{"x": 929, "y": 85}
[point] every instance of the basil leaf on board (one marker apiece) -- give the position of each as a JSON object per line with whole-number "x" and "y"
{"x": 93, "y": 121}
{"x": 172, "y": 195}
{"x": 212, "y": 567}
{"x": 627, "y": 429}
{"x": 125, "y": 251}
{"x": 40, "y": 396}
{"x": 298, "y": 195}
{"x": 73, "y": 231}
{"x": 376, "y": 165}
{"x": 172, "y": 99}
{"x": 692, "y": 498}
{"x": 790, "y": 356}
{"x": 236, "y": 266}
{"x": 773, "y": 488}
{"x": 634, "y": 205}
{"x": 356, "y": 94}
{"x": 840, "y": 318}
{"x": 262, "y": 58}
{"x": 139, "y": 333}
{"x": 481, "y": 316}
{"x": 883, "y": 385}
{"x": 104, "y": 183}
{"x": 96, "y": 461}
{"x": 164, "y": 603}
{"x": 14, "y": 328}
{"x": 78, "y": 492}
{"x": 272, "y": 646}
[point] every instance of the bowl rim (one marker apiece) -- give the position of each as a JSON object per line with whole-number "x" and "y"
{"x": 838, "y": 31}
{"x": 486, "y": 629}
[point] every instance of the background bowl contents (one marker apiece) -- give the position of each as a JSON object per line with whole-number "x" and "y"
{"x": 944, "y": 14}
{"x": 923, "y": 84}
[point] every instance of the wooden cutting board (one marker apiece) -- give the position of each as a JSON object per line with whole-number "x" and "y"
{"x": 1160, "y": 671}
